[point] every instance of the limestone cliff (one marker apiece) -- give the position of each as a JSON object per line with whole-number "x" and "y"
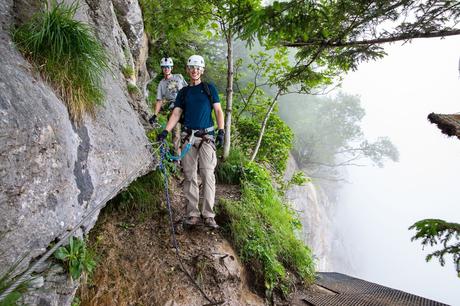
{"x": 52, "y": 172}
{"x": 312, "y": 205}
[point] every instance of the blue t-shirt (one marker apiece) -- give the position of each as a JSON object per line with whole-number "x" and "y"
{"x": 196, "y": 106}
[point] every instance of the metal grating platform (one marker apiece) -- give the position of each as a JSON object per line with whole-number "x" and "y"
{"x": 350, "y": 291}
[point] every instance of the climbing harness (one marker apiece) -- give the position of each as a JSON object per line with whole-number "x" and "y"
{"x": 184, "y": 151}
{"x": 192, "y": 134}
{"x": 26, "y": 275}
{"x": 163, "y": 151}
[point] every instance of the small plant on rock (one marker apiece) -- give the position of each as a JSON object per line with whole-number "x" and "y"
{"x": 128, "y": 71}
{"x": 133, "y": 89}
{"x": 77, "y": 258}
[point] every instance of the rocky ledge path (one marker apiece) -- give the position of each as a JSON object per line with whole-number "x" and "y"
{"x": 138, "y": 264}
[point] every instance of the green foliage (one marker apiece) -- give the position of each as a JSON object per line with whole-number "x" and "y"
{"x": 338, "y": 35}
{"x": 65, "y": 51}
{"x": 276, "y": 143}
{"x": 263, "y": 229}
{"x": 178, "y": 29}
{"x": 171, "y": 20}
{"x": 433, "y": 232}
{"x": 141, "y": 196}
{"x": 6, "y": 281}
{"x": 77, "y": 258}
{"x": 76, "y": 301}
{"x": 133, "y": 89}
{"x": 299, "y": 179}
{"x": 231, "y": 170}
{"x": 128, "y": 71}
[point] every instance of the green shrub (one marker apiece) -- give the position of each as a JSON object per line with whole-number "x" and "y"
{"x": 77, "y": 258}
{"x": 276, "y": 142}
{"x": 230, "y": 171}
{"x": 298, "y": 179}
{"x": 143, "y": 195}
{"x": 263, "y": 230}
{"x": 68, "y": 56}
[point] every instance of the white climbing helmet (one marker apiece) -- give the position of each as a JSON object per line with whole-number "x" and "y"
{"x": 166, "y": 61}
{"x": 195, "y": 60}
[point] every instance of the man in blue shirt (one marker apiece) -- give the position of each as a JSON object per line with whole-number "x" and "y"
{"x": 196, "y": 102}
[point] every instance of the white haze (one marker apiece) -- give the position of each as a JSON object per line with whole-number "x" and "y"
{"x": 378, "y": 205}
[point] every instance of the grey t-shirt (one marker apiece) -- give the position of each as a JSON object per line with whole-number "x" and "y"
{"x": 168, "y": 88}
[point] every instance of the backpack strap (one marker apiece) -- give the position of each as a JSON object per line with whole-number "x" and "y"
{"x": 184, "y": 95}
{"x": 208, "y": 92}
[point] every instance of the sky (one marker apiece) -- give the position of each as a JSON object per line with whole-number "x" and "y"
{"x": 377, "y": 206}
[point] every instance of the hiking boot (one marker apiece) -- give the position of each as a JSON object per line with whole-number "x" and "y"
{"x": 192, "y": 221}
{"x": 211, "y": 223}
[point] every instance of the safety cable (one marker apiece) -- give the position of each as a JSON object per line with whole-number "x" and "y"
{"x": 163, "y": 151}
{"x": 25, "y": 276}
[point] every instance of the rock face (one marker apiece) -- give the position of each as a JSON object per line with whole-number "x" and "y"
{"x": 52, "y": 172}
{"x": 312, "y": 204}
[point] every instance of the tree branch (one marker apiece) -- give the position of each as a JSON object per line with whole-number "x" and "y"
{"x": 404, "y": 36}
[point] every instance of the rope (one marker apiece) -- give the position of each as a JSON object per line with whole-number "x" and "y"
{"x": 163, "y": 151}
{"x": 26, "y": 275}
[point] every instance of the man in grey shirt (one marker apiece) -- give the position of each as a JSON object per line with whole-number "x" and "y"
{"x": 167, "y": 91}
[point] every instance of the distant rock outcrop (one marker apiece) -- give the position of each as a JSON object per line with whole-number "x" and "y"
{"x": 52, "y": 172}
{"x": 312, "y": 204}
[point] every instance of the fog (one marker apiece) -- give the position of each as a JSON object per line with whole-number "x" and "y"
{"x": 377, "y": 206}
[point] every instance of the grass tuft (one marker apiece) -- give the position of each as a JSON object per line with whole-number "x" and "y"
{"x": 68, "y": 56}
{"x": 141, "y": 196}
{"x": 133, "y": 89}
{"x": 7, "y": 280}
{"x": 128, "y": 71}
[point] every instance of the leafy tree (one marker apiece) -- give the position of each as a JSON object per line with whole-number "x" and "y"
{"x": 226, "y": 13}
{"x": 328, "y": 133}
{"x": 343, "y": 33}
{"x": 179, "y": 29}
{"x": 274, "y": 72}
{"x": 434, "y": 232}
{"x": 332, "y": 37}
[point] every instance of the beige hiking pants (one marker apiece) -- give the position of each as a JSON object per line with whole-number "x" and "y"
{"x": 207, "y": 160}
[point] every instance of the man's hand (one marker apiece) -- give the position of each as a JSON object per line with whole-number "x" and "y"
{"x": 153, "y": 119}
{"x": 220, "y": 138}
{"x": 161, "y": 137}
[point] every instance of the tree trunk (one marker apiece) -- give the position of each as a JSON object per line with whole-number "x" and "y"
{"x": 264, "y": 124}
{"x": 228, "y": 109}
